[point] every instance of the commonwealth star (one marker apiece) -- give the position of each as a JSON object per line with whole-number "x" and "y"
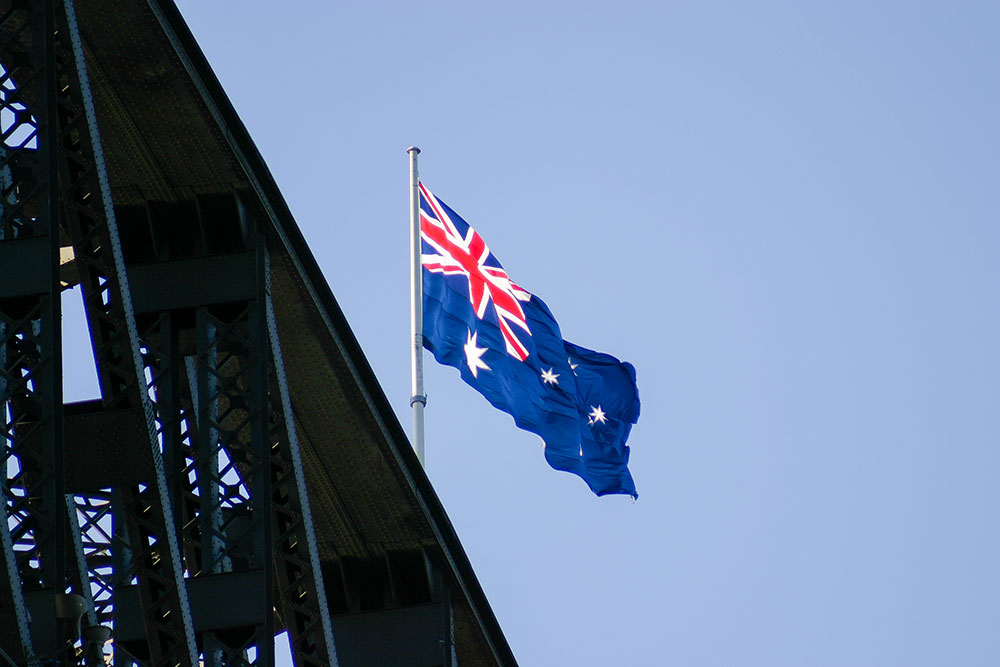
{"x": 597, "y": 415}
{"x": 474, "y": 355}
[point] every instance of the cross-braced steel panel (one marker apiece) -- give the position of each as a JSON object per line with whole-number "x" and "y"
{"x": 212, "y": 411}
{"x": 33, "y": 537}
{"x": 208, "y": 498}
{"x": 144, "y": 547}
{"x": 296, "y": 559}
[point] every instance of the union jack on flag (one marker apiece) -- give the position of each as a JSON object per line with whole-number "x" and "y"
{"x": 458, "y": 254}
{"x": 507, "y": 345}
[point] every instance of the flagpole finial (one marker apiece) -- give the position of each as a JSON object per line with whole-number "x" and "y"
{"x": 413, "y": 149}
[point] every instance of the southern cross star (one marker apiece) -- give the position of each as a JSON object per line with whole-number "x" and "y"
{"x": 548, "y": 377}
{"x": 572, "y": 366}
{"x": 597, "y": 415}
{"x": 474, "y": 355}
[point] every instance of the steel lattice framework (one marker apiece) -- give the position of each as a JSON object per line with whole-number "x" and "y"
{"x": 170, "y": 521}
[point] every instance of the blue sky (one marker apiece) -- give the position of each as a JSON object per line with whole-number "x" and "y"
{"x": 784, "y": 214}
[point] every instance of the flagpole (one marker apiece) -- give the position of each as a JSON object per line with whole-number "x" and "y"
{"x": 417, "y": 398}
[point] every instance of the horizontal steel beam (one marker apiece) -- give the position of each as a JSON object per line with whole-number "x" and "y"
{"x": 187, "y": 283}
{"x": 104, "y": 448}
{"x": 218, "y": 602}
{"x": 403, "y": 637}
{"x": 25, "y": 266}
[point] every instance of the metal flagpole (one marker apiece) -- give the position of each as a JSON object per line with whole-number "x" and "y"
{"x": 417, "y": 398}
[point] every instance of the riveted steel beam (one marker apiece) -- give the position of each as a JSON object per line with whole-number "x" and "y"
{"x": 145, "y": 545}
{"x": 33, "y": 531}
{"x": 296, "y": 555}
{"x": 207, "y": 360}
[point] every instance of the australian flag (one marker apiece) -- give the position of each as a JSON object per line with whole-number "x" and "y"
{"x": 507, "y": 345}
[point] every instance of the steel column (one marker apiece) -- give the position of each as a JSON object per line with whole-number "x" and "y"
{"x": 33, "y": 532}
{"x": 297, "y": 563}
{"x": 145, "y": 521}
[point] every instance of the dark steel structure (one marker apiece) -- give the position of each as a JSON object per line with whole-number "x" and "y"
{"x": 242, "y": 473}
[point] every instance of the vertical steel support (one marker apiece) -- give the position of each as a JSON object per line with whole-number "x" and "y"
{"x": 147, "y": 523}
{"x": 33, "y": 531}
{"x": 450, "y": 659}
{"x": 83, "y": 587}
{"x": 210, "y": 522}
{"x": 168, "y": 402}
{"x": 265, "y": 446}
{"x": 233, "y": 462}
{"x": 52, "y": 450}
{"x": 225, "y": 462}
{"x": 297, "y": 563}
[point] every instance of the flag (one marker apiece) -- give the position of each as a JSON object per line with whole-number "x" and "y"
{"x": 507, "y": 345}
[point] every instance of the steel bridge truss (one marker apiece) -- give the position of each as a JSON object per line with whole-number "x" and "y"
{"x": 183, "y": 484}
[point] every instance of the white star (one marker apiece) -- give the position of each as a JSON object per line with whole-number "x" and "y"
{"x": 548, "y": 377}
{"x": 597, "y": 415}
{"x": 572, "y": 366}
{"x": 474, "y": 355}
